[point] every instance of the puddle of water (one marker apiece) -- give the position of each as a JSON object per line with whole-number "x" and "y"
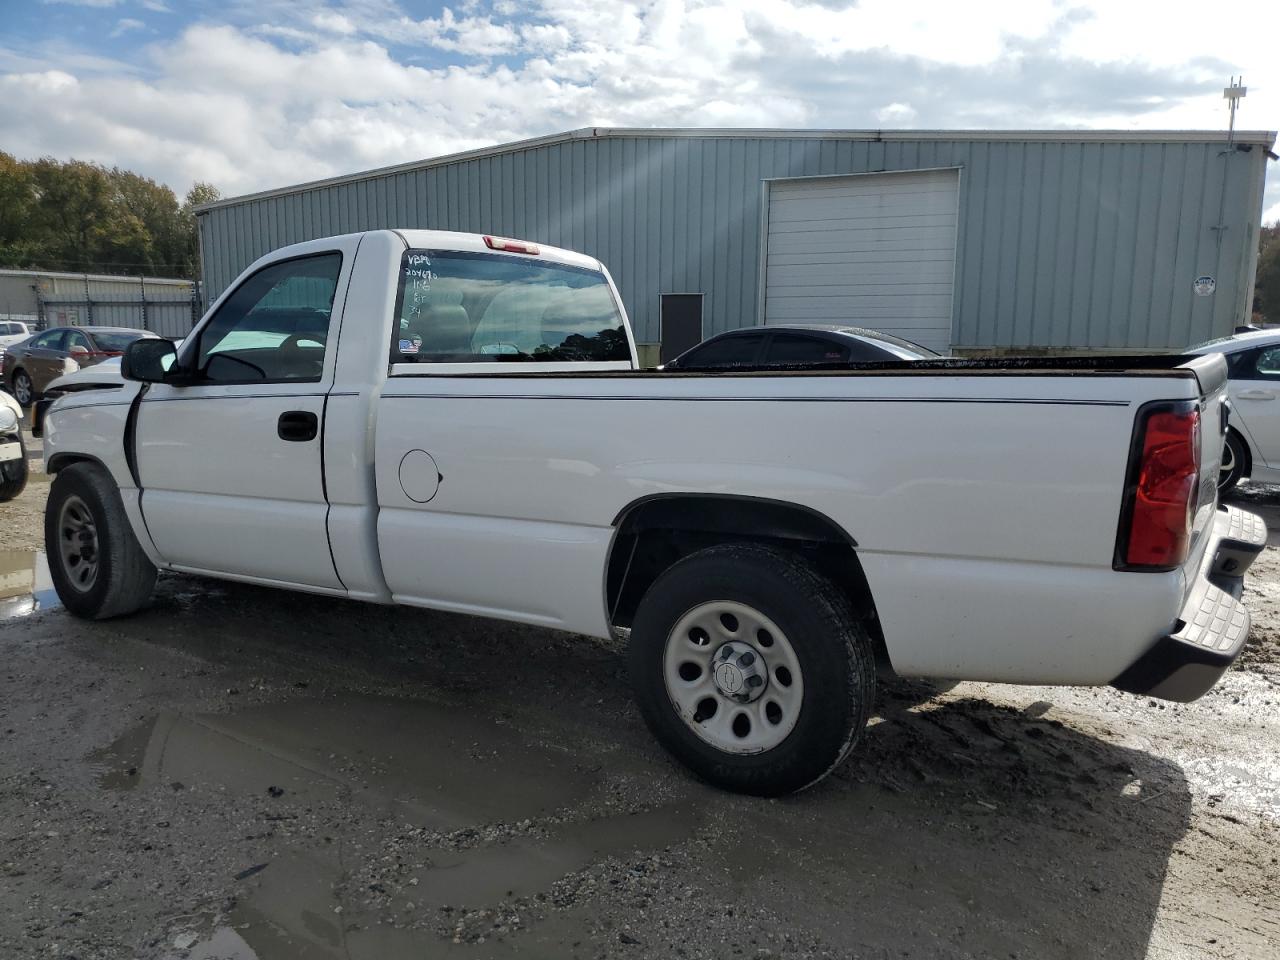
{"x": 295, "y": 914}
{"x": 521, "y": 868}
{"x": 224, "y": 944}
{"x": 25, "y": 584}
{"x": 431, "y": 765}
{"x": 435, "y": 766}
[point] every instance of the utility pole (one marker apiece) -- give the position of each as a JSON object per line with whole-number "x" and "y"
{"x": 1234, "y": 94}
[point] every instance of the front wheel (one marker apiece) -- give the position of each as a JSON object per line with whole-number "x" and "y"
{"x": 751, "y": 668}
{"x": 97, "y": 565}
{"x": 13, "y": 473}
{"x": 1234, "y": 459}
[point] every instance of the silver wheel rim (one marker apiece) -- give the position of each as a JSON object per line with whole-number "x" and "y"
{"x": 22, "y": 389}
{"x": 1228, "y": 460}
{"x": 733, "y": 677}
{"x": 78, "y": 543}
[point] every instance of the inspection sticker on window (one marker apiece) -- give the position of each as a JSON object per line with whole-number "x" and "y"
{"x": 409, "y": 346}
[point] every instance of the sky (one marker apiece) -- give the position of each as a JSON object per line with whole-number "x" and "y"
{"x": 253, "y": 94}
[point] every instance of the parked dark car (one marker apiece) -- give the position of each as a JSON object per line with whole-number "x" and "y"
{"x": 30, "y": 366}
{"x": 796, "y": 344}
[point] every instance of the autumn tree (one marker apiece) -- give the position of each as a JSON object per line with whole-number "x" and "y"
{"x": 82, "y": 216}
{"x": 1266, "y": 289}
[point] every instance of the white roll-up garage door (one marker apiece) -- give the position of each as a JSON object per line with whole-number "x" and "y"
{"x": 873, "y": 250}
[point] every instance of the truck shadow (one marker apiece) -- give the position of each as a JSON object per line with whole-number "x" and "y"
{"x": 987, "y": 831}
{"x": 958, "y": 827}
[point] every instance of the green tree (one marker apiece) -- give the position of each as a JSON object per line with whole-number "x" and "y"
{"x": 18, "y": 244}
{"x": 81, "y": 216}
{"x": 199, "y": 194}
{"x": 1266, "y": 289}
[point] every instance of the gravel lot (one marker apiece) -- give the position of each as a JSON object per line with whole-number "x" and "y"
{"x": 241, "y": 773}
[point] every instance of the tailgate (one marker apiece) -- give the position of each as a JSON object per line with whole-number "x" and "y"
{"x": 1211, "y": 374}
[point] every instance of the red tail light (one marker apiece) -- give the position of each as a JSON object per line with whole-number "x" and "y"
{"x": 1164, "y": 481}
{"x": 511, "y": 246}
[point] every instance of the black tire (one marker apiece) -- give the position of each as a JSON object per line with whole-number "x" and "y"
{"x": 1235, "y": 462}
{"x": 832, "y": 647}
{"x": 124, "y": 577}
{"x": 22, "y": 384}
{"x": 13, "y": 473}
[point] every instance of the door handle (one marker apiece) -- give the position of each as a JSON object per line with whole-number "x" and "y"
{"x": 1256, "y": 395}
{"x": 298, "y": 426}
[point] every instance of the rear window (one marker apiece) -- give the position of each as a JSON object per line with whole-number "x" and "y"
{"x": 115, "y": 342}
{"x": 731, "y": 351}
{"x": 789, "y": 348}
{"x": 459, "y": 307}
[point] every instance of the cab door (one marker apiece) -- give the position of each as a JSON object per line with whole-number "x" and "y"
{"x": 230, "y": 462}
{"x": 1254, "y": 388}
{"x": 44, "y": 358}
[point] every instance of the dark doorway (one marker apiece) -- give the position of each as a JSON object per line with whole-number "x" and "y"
{"x": 681, "y": 323}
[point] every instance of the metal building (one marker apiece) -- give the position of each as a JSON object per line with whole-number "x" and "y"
{"x": 46, "y": 299}
{"x": 973, "y": 241}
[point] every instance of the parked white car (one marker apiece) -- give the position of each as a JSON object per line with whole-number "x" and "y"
{"x": 12, "y": 331}
{"x": 458, "y": 422}
{"x": 1252, "y": 447}
{"x": 13, "y": 451}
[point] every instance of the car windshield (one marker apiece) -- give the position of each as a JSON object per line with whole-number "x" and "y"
{"x": 116, "y": 341}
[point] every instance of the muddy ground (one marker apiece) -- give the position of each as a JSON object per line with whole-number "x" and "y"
{"x": 242, "y": 773}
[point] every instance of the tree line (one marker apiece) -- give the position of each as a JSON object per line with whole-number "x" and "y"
{"x": 85, "y": 218}
{"x": 1266, "y": 290}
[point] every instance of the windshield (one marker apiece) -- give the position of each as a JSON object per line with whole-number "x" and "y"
{"x": 457, "y": 307}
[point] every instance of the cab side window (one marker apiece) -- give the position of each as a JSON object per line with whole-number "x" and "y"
{"x": 48, "y": 341}
{"x": 274, "y": 328}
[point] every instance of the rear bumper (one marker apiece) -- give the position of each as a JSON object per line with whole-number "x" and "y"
{"x": 1214, "y": 623}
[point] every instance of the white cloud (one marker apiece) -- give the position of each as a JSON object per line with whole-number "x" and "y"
{"x": 897, "y": 115}
{"x": 284, "y": 91}
{"x": 332, "y": 22}
{"x": 471, "y": 36}
{"x": 126, "y": 25}
{"x": 83, "y": 3}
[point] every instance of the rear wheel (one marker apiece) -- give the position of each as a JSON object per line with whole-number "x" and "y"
{"x": 1235, "y": 460}
{"x": 751, "y": 668}
{"x": 13, "y": 473}
{"x": 96, "y": 563}
{"x": 23, "y": 390}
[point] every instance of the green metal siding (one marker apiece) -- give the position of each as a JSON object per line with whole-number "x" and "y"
{"x": 1069, "y": 243}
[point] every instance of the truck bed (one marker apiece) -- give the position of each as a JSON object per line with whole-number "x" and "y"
{"x": 1103, "y": 366}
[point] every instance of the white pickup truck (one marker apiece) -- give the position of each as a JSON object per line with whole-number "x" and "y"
{"x": 458, "y": 422}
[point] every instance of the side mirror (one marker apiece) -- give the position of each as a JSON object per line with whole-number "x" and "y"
{"x": 78, "y": 351}
{"x": 148, "y": 360}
